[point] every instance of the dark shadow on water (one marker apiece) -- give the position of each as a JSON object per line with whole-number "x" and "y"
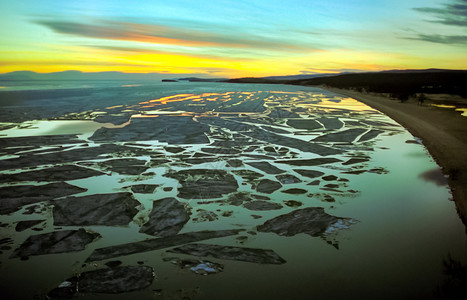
{"x": 455, "y": 284}
{"x": 435, "y": 176}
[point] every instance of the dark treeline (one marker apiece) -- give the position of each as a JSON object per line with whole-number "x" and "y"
{"x": 400, "y": 84}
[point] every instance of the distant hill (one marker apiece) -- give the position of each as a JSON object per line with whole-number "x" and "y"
{"x": 77, "y": 75}
{"x": 432, "y": 70}
{"x": 280, "y": 79}
{"x": 398, "y": 81}
{"x": 401, "y": 83}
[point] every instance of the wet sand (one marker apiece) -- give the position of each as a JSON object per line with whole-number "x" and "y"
{"x": 442, "y": 131}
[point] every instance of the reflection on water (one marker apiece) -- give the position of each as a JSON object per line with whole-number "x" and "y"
{"x": 35, "y": 128}
{"x": 435, "y": 176}
{"x": 55, "y": 127}
{"x": 444, "y": 105}
{"x": 463, "y": 110}
{"x": 454, "y": 285}
{"x": 373, "y": 210}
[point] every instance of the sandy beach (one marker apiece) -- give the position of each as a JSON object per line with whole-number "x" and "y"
{"x": 442, "y": 131}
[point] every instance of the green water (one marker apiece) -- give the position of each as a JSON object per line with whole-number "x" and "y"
{"x": 404, "y": 226}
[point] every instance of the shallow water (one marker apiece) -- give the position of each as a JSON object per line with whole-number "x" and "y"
{"x": 39, "y": 128}
{"x": 403, "y": 224}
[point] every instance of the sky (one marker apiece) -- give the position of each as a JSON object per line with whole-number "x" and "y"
{"x": 223, "y": 38}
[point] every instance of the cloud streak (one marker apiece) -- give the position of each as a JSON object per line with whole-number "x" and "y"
{"x": 441, "y": 39}
{"x": 136, "y": 50}
{"x": 166, "y": 35}
{"x": 116, "y": 31}
{"x": 449, "y": 14}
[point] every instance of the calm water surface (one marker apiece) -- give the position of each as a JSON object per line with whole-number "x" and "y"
{"x": 403, "y": 225}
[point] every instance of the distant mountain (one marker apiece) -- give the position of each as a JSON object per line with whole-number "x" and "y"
{"x": 18, "y": 75}
{"x": 78, "y": 75}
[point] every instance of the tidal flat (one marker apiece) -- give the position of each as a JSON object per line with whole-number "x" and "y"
{"x": 221, "y": 191}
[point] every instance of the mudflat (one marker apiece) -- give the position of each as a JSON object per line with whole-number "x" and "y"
{"x": 253, "y": 186}
{"x": 442, "y": 131}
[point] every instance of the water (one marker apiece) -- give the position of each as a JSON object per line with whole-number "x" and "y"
{"x": 404, "y": 225}
{"x": 460, "y": 109}
{"x": 37, "y": 85}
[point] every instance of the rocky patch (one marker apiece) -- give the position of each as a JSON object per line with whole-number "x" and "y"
{"x": 100, "y": 209}
{"x": 309, "y": 173}
{"x": 56, "y": 173}
{"x": 306, "y": 124}
{"x": 14, "y": 197}
{"x": 294, "y": 191}
{"x": 168, "y": 129}
{"x": 288, "y": 179}
{"x": 268, "y": 186}
{"x": 313, "y": 221}
{"x": 345, "y": 136}
{"x": 109, "y": 281}
{"x": 266, "y": 167}
{"x": 23, "y": 225}
{"x": 159, "y": 243}
{"x": 204, "y": 183}
{"x": 124, "y": 166}
{"x": 309, "y": 162}
{"x": 259, "y": 256}
{"x": 55, "y": 242}
{"x": 262, "y": 205}
{"x": 144, "y": 188}
{"x": 167, "y": 218}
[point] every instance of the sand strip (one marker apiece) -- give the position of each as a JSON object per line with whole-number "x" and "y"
{"x": 443, "y": 132}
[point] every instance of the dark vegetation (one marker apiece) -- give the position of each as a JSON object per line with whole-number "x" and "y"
{"x": 454, "y": 286}
{"x": 398, "y": 84}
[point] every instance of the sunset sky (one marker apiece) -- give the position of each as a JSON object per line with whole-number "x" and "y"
{"x": 237, "y": 38}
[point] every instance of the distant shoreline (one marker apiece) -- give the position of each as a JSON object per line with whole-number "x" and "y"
{"x": 442, "y": 131}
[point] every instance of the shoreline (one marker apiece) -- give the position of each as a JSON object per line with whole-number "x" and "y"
{"x": 442, "y": 131}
